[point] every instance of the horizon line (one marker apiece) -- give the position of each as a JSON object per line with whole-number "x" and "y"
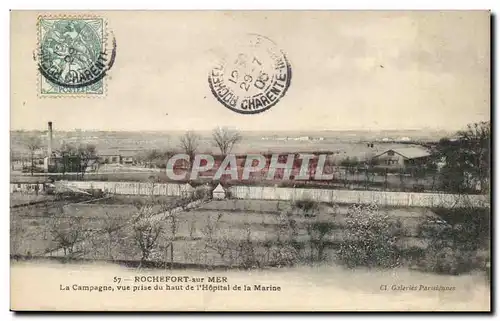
{"x": 241, "y": 130}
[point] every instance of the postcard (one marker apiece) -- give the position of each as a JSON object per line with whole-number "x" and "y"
{"x": 250, "y": 161}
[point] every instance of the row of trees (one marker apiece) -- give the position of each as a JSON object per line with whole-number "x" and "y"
{"x": 77, "y": 158}
{"x": 70, "y": 158}
{"x": 223, "y": 138}
{"x": 306, "y": 233}
{"x": 152, "y": 229}
{"x": 33, "y": 143}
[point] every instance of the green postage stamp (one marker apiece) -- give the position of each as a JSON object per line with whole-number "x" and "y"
{"x": 74, "y": 56}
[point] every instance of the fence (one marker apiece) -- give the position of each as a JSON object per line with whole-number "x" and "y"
{"x": 26, "y": 187}
{"x": 280, "y": 193}
{"x": 134, "y": 188}
{"x": 360, "y": 197}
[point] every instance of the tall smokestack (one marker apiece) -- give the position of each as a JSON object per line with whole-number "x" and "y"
{"x": 49, "y": 148}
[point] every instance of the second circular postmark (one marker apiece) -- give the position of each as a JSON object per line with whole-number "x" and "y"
{"x": 250, "y": 76}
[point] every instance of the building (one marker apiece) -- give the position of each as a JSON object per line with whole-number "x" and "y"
{"x": 109, "y": 157}
{"x": 128, "y": 156}
{"x": 29, "y": 184}
{"x": 402, "y": 157}
{"x": 219, "y": 192}
{"x": 122, "y": 156}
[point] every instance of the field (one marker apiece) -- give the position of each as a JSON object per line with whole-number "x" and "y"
{"x": 19, "y": 199}
{"x": 260, "y": 141}
{"x": 33, "y": 227}
{"x": 210, "y": 234}
{"x": 166, "y": 231}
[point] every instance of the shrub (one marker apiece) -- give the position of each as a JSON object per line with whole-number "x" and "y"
{"x": 451, "y": 249}
{"x": 202, "y": 192}
{"x": 447, "y": 260}
{"x": 318, "y": 238}
{"x": 283, "y": 254}
{"x": 349, "y": 162}
{"x": 371, "y": 238}
{"x": 96, "y": 192}
{"x": 306, "y": 206}
{"x": 283, "y": 250}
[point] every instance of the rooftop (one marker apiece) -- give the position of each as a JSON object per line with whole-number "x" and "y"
{"x": 128, "y": 152}
{"x": 409, "y": 152}
{"x": 29, "y": 179}
{"x": 219, "y": 189}
{"x": 118, "y": 152}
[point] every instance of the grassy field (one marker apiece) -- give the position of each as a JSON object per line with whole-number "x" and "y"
{"x": 231, "y": 233}
{"x": 230, "y": 220}
{"x": 17, "y": 199}
{"x": 32, "y": 227}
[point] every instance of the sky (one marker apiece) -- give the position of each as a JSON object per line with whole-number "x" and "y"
{"x": 352, "y": 70}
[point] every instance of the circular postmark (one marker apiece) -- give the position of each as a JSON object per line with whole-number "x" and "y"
{"x": 74, "y": 53}
{"x": 251, "y": 76}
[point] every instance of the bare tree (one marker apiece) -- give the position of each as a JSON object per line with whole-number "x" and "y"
{"x": 212, "y": 241}
{"x": 152, "y": 183}
{"x": 232, "y": 251}
{"x": 67, "y": 232}
{"x": 87, "y": 153}
{"x": 174, "y": 222}
{"x": 283, "y": 249}
{"x": 17, "y": 232}
{"x": 225, "y": 139}
{"x": 110, "y": 226}
{"x": 189, "y": 144}
{"x": 33, "y": 144}
{"x": 309, "y": 209}
{"x": 13, "y": 157}
{"x": 146, "y": 232}
{"x": 246, "y": 250}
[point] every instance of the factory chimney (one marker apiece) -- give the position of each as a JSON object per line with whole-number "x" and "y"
{"x": 49, "y": 148}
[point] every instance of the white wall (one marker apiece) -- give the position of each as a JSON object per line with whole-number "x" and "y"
{"x": 279, "y": 193}
{"x": 134, "y": 188}
{"x": 361, "y": 197}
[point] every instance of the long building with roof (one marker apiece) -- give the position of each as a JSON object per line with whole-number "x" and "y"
{"x": 402, "y": 157}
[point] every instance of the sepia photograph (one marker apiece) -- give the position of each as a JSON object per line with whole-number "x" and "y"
{"x": 334, "y": 161}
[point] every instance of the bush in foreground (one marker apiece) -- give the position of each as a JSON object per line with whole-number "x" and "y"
{"x": 371, "y": 237}
{"x": 452, "y": 248}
